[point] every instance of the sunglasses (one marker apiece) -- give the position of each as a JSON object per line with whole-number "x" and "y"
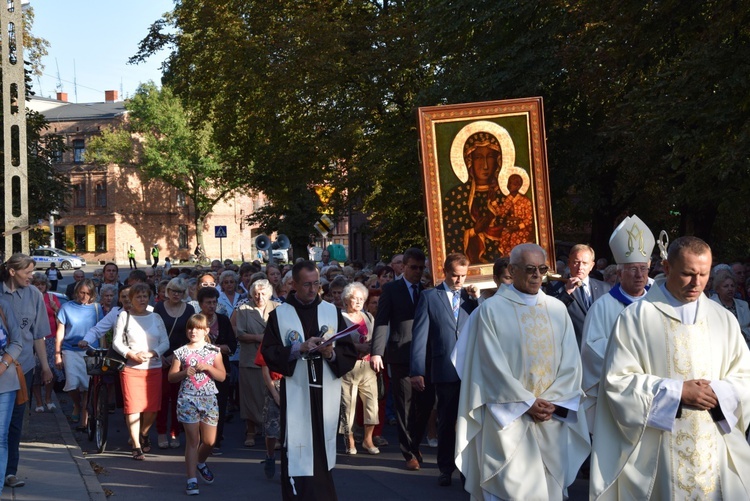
{"x": 530, "y": 270}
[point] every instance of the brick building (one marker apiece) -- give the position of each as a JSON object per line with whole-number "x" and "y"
{"x": 113, "y": 207}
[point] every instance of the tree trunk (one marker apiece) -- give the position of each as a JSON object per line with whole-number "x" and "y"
{"x": 199, "y": 218}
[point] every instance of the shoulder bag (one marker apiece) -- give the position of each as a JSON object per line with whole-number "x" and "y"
{"x": 22, "y": 395}
{"x": 113, "y": 359}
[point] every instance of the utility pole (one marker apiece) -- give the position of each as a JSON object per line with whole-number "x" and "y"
{"x": 14, "y": 126}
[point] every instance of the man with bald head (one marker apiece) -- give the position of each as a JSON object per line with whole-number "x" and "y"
{"x": 674, "y": 398}
{"x": 519, "y": 434}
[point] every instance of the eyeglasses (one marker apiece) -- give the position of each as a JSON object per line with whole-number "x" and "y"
{"x": 636, "y": 269}
{"x": 311, "y": 285}
{"x": 542, "y": 269}
{"x": 208, "y": 284}
{"x": 416, "y": 267}
{"x": 176, "y": 291}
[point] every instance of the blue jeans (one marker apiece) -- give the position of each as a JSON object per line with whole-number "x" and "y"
{"x": 7, "y": 404}
{"x": 14, "y": 433}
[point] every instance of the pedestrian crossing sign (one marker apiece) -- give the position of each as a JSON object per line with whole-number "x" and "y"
{"x": 220, "y": 231}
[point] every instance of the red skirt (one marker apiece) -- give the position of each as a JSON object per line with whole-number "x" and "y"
{"x": 141, "y": 390}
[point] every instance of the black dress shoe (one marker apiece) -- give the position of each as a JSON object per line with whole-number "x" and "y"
{"x": 444, "y": 480}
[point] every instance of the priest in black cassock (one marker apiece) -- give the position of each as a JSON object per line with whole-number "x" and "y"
{"x": 311, "y": 388}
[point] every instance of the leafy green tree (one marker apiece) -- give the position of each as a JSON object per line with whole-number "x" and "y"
{"x": 158, "y": 137}
{"x": 645, "y": 103}
{"x": 307, "y": 92}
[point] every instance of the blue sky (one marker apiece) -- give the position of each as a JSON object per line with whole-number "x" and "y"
{"x": 98, "y": 36}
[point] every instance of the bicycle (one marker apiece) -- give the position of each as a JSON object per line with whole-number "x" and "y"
{"x": 97, "y": 366}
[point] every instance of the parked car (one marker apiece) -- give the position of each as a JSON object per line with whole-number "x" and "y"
{"x": 43, "y": 256}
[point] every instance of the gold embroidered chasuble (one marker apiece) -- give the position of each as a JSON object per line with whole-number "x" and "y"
{"x": 697, "y": 459}
{"x": 516, "y": 353}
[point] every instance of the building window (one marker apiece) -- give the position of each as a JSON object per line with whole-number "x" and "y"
{"x": 57, "y": 155}
{"x": 181, "y": 201}
{"x": 79, "y": 195}
{"x": 182, "y": 236}
{"x": 101, "y": 237}
{"x": 79, "y": 236}
{"x": 79, "y": 148}
{"x": 101, "y": 194}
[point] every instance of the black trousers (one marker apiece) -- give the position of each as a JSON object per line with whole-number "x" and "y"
{"x": 413, "y": 410}
{"x": 447, "y": 414}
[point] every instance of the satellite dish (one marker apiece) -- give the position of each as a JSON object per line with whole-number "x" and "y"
{"x": 283, "y": 241}
{"x": 262, "y": 242}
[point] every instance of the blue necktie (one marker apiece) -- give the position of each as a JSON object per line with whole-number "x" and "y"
{"x": 456, "y": 303}
{"x": 415, "y": 293}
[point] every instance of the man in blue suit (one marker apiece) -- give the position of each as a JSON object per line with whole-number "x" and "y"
{"x": 440, "y": 316}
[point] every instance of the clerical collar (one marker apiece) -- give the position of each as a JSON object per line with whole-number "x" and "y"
{"x": 686, "y": 311}
{"x": 529, "y": 299}
{"x": 625, "y": 298}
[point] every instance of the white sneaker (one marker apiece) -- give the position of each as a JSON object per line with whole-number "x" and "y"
{"x": 51, "y": 406}
{"x": 14, "y": 481}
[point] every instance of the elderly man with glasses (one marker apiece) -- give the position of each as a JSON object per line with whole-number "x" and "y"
{"x": 631, "y": 243}
{"x": 519, "y": 434}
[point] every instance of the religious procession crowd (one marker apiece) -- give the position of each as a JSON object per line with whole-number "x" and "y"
{"x": 646, "y": 374}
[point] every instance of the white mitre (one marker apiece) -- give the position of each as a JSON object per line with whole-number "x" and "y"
{"x": 632, "y": 241}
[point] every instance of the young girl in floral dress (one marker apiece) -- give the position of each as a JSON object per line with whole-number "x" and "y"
{"x": 196, "y": 366}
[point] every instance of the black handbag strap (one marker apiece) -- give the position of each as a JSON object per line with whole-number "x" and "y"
{"x": 125, "y": 330}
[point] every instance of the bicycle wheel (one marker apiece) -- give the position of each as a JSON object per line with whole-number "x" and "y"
{"x": 90, "y": 399}
{"x": 102, "y": 417}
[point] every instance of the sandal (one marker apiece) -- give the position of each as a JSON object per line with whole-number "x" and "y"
{"x": 145, "y": 443}
{"x": 138, "y": 455}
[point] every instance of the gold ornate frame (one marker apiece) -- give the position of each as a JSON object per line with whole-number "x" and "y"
{"x": 518, "y": 127}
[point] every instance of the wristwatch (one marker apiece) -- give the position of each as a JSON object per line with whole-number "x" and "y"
{"x": 5, "y": 362}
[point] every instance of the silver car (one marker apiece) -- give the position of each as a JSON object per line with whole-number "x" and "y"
{"x": 43, "y": 256}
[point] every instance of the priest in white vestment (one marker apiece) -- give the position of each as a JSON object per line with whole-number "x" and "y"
{"x": 631, "y": 244}
{"x": 519, "y": 434}
{"x": 674, "y": 400}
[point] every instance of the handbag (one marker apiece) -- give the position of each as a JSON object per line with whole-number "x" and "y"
{"x": 113, "y": 359}
{"x": 381, "y": 386}
{"x": 22, "y": 395}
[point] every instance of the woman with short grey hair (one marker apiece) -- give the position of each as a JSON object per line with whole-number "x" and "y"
{"x": 361, "y": 380}
{"x": 228, "y": 297}
{"x": 249, "y": 320}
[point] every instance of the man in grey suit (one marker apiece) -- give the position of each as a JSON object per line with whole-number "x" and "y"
{"x": 580, "y": 290}
{"x": 440, "y": 316}
{"x": 391, "y": 339}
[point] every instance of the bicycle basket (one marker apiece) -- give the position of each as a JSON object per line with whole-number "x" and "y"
{"x": 94, "y": 365}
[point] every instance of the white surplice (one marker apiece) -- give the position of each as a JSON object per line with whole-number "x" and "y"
{"x": 641, "y": 448}
{"x": 600, "y": 320}
{"x": 512, "y": 354}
